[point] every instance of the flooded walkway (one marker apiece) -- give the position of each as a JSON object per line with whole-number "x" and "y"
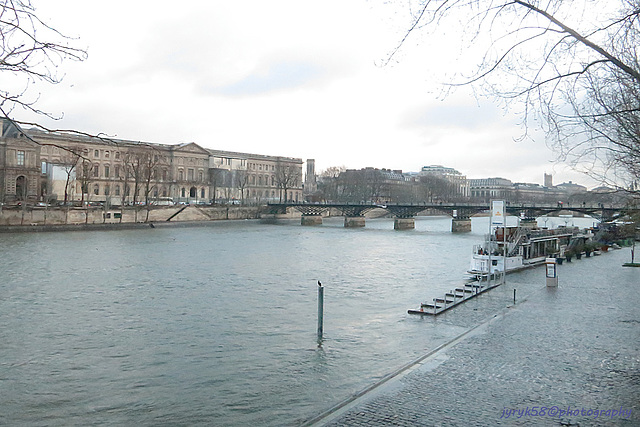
{"x": 572, "y": 350}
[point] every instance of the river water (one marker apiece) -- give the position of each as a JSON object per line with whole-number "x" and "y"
{"x": 216, "y": 325}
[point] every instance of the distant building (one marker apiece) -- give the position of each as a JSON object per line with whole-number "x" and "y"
{"x": 548, "y": 180}
{"x": 571, "y": 188}
{"x": 528, "y": 192}
{"x": 310, "y": 178}
{"x": 491, "y": 188}
{"x": 459, "y": 181}
{"x": 45, "y": 165}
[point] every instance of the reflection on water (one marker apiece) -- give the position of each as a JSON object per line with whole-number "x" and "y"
{"x": 217, "y": 324}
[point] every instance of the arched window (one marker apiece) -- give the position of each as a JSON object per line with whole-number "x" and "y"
{"x": 117, "y": 190}
{"x": 202, "y": 193}
{"x": 96, "y": 189}
{"x": 183, "y": 192}
{"x": 106, "y": 190}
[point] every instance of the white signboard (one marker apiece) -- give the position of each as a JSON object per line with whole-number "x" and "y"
{"x": 497, "y": 212}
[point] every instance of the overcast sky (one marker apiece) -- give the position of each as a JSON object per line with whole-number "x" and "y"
{"x": 292, "y": 78}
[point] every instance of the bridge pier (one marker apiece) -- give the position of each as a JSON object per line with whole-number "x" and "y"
{"x": 354, "y": 221}
{"x": 461, "y": 225}
{"x": 311, "y": 220}
{"x": 404, "y": 224}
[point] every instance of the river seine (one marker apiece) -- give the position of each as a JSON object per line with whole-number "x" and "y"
{"x": 216, "y": 325}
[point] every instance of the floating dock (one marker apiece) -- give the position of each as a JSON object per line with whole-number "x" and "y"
{"x": 455, "y": 297}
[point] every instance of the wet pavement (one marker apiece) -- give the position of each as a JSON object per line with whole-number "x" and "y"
{"x": 564, "y": 356}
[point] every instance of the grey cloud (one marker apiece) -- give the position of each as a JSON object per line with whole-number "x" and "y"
{"x": 278, "y": 76}
{"x": 458, "y": 116}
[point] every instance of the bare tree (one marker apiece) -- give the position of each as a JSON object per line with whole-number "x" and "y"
{"x": 70, "y": 161}
{"x": 288, "y": 176}
{"x": 574, "y": 63}
{"x": 30, "y": 51}
{"x": 242, "y": 182}
{"x": 435, "y": 188}
{"x": 141, "y": 169}
{"x": 83, "y": 175}
{"x": 216, "y": 178}
{"x": 328, "y": 182}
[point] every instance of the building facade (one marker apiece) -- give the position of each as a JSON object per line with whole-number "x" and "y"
{"x": 44, "y": 166}
{"x": 458, "y": 180}
{"x": 19, "y": 165}
{"x": 490, "y": 188}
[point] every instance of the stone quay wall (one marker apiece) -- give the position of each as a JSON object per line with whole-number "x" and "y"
{"x": 75, "y": 218}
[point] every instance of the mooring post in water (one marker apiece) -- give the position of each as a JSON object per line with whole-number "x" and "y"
{"x": 320, "y": 309}
{"x": 514, "y": 296}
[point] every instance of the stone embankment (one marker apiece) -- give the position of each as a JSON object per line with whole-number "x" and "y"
{"x": 49, "y": 219}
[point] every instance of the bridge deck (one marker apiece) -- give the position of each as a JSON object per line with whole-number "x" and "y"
{"x": 460, "y": 210}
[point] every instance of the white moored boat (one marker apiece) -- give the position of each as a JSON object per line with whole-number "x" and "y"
{"x": 525, "y": 247}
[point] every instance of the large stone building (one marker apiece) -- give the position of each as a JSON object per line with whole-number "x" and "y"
{"x": 458, "y": 180}
{"x": 43, "y": 166}
{"x": 490, "y": 188}
{"x": 19, "y": 164}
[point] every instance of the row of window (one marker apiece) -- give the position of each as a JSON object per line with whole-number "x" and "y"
{"x": 106, "y": 190}
{"x": 262, "y": 180}
{"x": 156, "y": 174}
{"x": 260, "y": 166}
{"x": 107, "y": 154}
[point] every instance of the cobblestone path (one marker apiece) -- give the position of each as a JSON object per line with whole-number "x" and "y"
{"x": 575, "y": 348}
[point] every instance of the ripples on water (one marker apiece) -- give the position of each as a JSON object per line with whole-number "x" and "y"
{"x": 215, "y": 325}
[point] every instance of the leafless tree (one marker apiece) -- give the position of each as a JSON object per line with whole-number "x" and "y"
{"x": 216, "y": 178}
{"x": 435, "y": 188}
{"x": 141, "y": 169}
{"x": 242, "y": 182}
{"x": 30, "y": 51}
{"x": 83, "y": 175}
{"x": 287, "y": 177}
{"x": 362, "y": 185}
{"x": 69, "y": 163}
{"x": 573, "y": 64}
{"x": 328, "y": 182}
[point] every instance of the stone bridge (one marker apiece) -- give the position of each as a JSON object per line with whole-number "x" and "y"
{"x": 460, "y": 213}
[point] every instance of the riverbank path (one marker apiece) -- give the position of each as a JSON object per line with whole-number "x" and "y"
{"x": 575, "y": 348}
